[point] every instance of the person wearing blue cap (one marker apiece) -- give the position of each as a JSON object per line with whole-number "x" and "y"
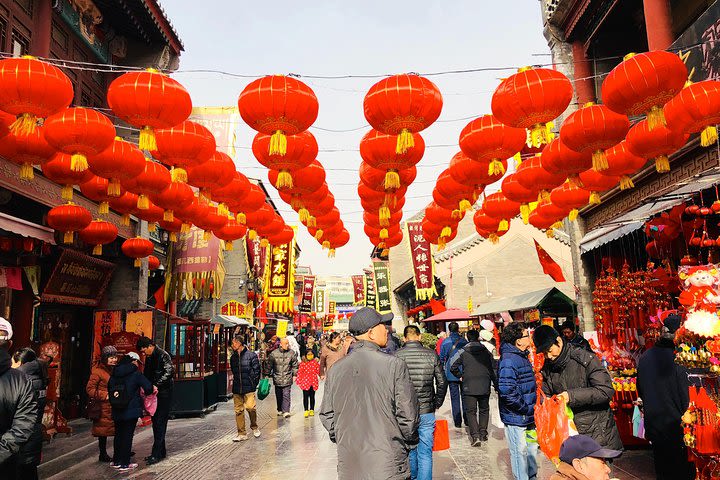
{"x": 582, "y": 458}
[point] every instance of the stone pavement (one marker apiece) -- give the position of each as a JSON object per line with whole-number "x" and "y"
{"x": 296, "y": 448}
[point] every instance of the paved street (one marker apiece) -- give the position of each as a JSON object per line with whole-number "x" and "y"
{"x": 201, "y": 448}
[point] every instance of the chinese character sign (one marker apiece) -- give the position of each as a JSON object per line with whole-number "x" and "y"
{"x": 256, "y": 257}
{"x": 358, "y": 282}
{"x": 382, "y": 286}
{"x": 422, "y": 262}
{"x": 320, "y": 301}
{"x": 370, "y": 300}
{"x": 280, "y": 278}
{"x": 307, "y": 294}
{"x": 198, "y": 270}
{"x": 331, "y": 308}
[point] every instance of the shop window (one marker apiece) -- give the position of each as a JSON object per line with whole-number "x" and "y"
{"x": 26, "y": 5}
{"x": 60, "y": 37}
{"x": 20, "y": 44}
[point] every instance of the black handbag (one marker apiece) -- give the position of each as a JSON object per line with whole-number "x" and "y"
{"x": 94, "y": 409}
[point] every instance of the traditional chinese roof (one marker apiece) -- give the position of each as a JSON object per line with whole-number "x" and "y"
{"x": 143, "y": 19}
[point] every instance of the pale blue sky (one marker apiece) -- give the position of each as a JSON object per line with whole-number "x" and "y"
{"x": 370, "y": 37}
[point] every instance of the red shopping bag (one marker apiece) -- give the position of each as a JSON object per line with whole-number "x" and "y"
{"x": 441, "y": 439}
{"x": 553, "y": 425}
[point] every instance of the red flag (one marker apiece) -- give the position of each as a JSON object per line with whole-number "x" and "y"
{"x": 549, "y": 265}
{"x": 160, "y": 298}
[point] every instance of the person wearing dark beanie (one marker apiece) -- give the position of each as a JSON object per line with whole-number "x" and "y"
{"x": 578, "y": 377}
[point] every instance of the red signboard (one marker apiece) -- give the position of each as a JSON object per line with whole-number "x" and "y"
{"x": 358, "y": 282}
{"x": 78, "y": 279}
{"x": 195, "y": 254}
{"x": 308, "y": 291}
{"x": 422, "y": 262}
{"x": 256, "y": 257}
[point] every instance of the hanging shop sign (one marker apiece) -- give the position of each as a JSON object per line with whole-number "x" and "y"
{"x": 139, "y": 322}
{"x": 282, "y": 326}
{"x": 370, "y": 295}
{"x": 422, "y": 262}
{"x": 320, "y": 301}
{"x": 235, "y": 308}
{"x": 280, "y": 279}
{"x": 197, "y": 267}
{"x": 331, "y": 308}
{"x": 78, "y": 279}
{"x": 382, "y": 280}
{"x": 358, "y": 282}
{"x": 256, "y": 257}
{"x": 307, "y": 294}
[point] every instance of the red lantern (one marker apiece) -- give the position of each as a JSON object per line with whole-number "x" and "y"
{"x": 285, "y": 236}
{"x": 216, "y": 172}
{"x": 378, "y": 150}
{"x": 173, "y": 228}
{"x": 126, "y": 205}
{"x": 59, "y": 170}
{"x": 121, "y": 161}
{"x": 154, "y": 178}
{"x": 517, "y": 193}
{"x": 176, "y": 196}
{"x": 152, "y": 215}
{"x": 596, "y": 183}
{"x": 26, "y": 149}
{"x": 32, "y": 89}
{"x": 277, "y": 105}
{"x": 549, "y": 210}
{"x": 656, "y": 144}
{"x": 441, "y": 216}
{"x": 80, "y": 132}
{"x": 378, "y": 233}
{"x": 558, "y": 159}
{"x": 153, "y": 262}
{"x": 541, "y": 222}
{"x": 454, "y": 196}
{"x": 326, "y": 222}
{"x": 234, "y": 195}
{"x": 68, "y": 219}
{"x": 494, "y": 237}
{"x": 230, "y": 232}
{"x": 185, "y": 145}
{"x": 253, "y": 200}
{"x": 149, "y": 100}
{"x": 474, "y": 174}
{"x": 376, "y": 178}
{"x": 643, "y": 83}
{"x": 491, "y": 142}
{"x": 307, "y": 182}
{"x": 570, "y": 197}
{"x": 622, "y": 163}
{"x": 531, "y": 99}
{"x": 485, "y": 223}
{"x": 97, "y": 234}
{"x": 384, "y": 204}
{"x": 696, "y": 109}
{"x": 96, "y": 190}
{"x": 301, "y": 150}
{"x": 319, "y": 209}
{"x": 500, "y": 207}
{"x": 402, "y": 105}
{"x": 137, "y": 248}
{"x": 433, "y": 233}
{"x": 594, "y": 129}
{"x": 340, "y": 240}
{"x": 258, "y": 218}
{"x": 531, "y": 175}
{"x": 188, "y": 215}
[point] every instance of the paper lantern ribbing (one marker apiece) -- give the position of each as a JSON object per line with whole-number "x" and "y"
{"x": 489, "y": 141}
{"x": 378, "y": 150}
{"x": 149, "y": 100}
{"x": 173, "y": 228}
{"x": 376, "y": 178}
{"x": 696, "y": 109}
{"x": 277, "y": 105}
{"x": 26, "y": 148}
{"x": 233, "y": 230}
{"x": 487, "y": 226}
{"x": 97, "y": 234}
{"x": 642, "y": 84}
{"x": 402, "y": 105}
{"x": 656, "y": 144}
{"x": 96, "y": 189}
{"x": 59, "y": 170}
{"x": 285, "y": 236}
{"x": 177, "y": 195}
{"x": 32, "y": 89}
{"x": 301, "y": 150}
{"x": 531, "y": 175}
{"x": 594, "y": 129}
{"x": 570, "y": 197}
{"x": 308, "y": 181}
{"x": 137, "y": 248}
{"x": 120, "y": 161}
{"x": 454, "y": 196}
{"x": 68, "y": 219}
{"x": 532, "y": 98}
{"x": 253, "y": 200}
{"x": 233, "y": 196}
{"x": 474, "y": 174}
{"x": 185, "y": 145}
{"x": 80, "y": 132}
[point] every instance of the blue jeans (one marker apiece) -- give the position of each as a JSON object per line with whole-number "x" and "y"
{"x": 523, "y": 452}
{"x": 421, "y": 456}
{"x": 458, "y": 407}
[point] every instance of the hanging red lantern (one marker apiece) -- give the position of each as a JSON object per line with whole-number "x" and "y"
{"x": 326, "y": 222}
{"x": 270, "y": 229}
{"x": 498, "y": 206}
{"x": 26, "y": 149}
{"x": 177, "y": 195}
{"x": 188, "y": 215}
{"x": 656, "y": 144}
{"x": 558, "y": 159}
{"x": 120, "y": 161}
{"x": 494, "y": 237}
{"x": 433, "y": 233}
{"x": 570, "y": 197}
{"x": 80, "y": 132}
{"x": 593, "y": 129}
{"x": 32, "y": 89}
{"x": 277, "y": 105}
{"x": 554, "y": 212}
{"x": 182, "y": 146}
{"x": 643, "y": 83}
{"x": 319, "y": 209}
{"x": 153, "y": 262}
{"x": 216, "y": 172}
{"x": 234, "y": 195}
{"x": 252, "y": 201}
{"x": 149, "y": 100}
{"x": 372, "y": 220}
{"x": 285, "y": 236}
{"x": 696, "y": 109}
{"x": 301, "y": 150}
{"x": 485, "y": 223}
{"x": 597, "y": 183}
{"x": 258, "y": 218}
{"x": 96, "y": 190}
{"x": 381, "y": 234}
{"x": 152, "y": 215}
{"x": 622, "y": 163}
{"x": 307, "y": 182}
{"x": 59, "y": 170}
{"x": 173, "y": 228}
{"x": 474, "y": 174}
{"x": 212, "y": 220}
{"x": 517, "y": 193}
{"x": 376, "y": 178}
{"x": 402, "y": 105}
{"x": 340, "y": 240}
{"x": 137, "y": 248}
{"x": 489, "y": 141}
{"x": 449, "y": 192}
{"x": 154, "y": 178}
{"x": 532, "y": 99}
{"x": 230, "y": 232}
{"x": 542, "y": 223}
{"x": 378, "y": 150}
{"x": 126, "y": 205}
{"x": 384, "y": 204}
{"x": 68, "y": 219}
{"x": 97, "y": 234}
{"x": 531, "y": 175}
{"x": 441, "y": 216}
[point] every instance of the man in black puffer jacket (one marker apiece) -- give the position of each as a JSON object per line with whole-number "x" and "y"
{"x": 428, "y": 378}
{"x": 159, "y": 370}
{"x": 245, "y": 368}
{"x": 579, "y": 378}
{"x": 18, "y": 407}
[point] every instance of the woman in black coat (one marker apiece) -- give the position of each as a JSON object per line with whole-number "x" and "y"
{"x": 26, "y": 361}
{"x": 579, "y": 377}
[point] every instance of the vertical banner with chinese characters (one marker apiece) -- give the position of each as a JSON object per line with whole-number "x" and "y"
{"x": 422, "y": 262}
{"x": 358, "y": 282}
{"x": 222, "y": 122}
{"x": 280, "y": 279}
{"x": 106, "y": 323}
{"x": 307, "y": 294}
{"x": 382, "y": 285}
{"x": 370, "y": 299}
{"x": 197, "y": 267}
{"x": 256, "y": 257}
{"x": 331, "y": 308}
{"x": 320, "y": 301}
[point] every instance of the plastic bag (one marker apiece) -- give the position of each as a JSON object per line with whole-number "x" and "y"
{"x": 149, "y": 401}
{"x": 553, "y": 424}
{"x": 263, "y": 389}
{"x": 441, "y": 438}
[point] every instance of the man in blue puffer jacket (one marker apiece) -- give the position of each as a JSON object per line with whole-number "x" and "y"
{"x": 517, "y": 389}
{"x": 450, "y": 351}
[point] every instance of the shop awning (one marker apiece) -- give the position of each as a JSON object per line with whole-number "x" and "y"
{"x": 525, "y": 301}
{"x": 231, "y": 321}
{"x": 449, "y": 315}
{"x": 26, "y": 229}
{"x": 601, "y": 236}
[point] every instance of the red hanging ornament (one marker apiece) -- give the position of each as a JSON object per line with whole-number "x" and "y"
{"x": 96, "y": 189}
{"x": 59, "y": 170}
{"x": 121, "y": 161}
{"x": 177, "y": 195}
{"x": 285, "y": 236}
{"x": 307, "y": 182}
{"x": 486, "y": 226}
{"x": 498, "y": 206}
{"x": 301, "y": 150}
{"x": 137, "y": 248}
{"x": 185, "y": 145}
{"x": 378, "y": 150}
{"x": 68, "y": 219}
{"x": 490, "y": 142}
{"x": 656, "y": 144}
{"x": 126, "y": 205}
{"x": 376, "y": 178}
{"x": 97, "y": 234}
{"x": 696, "y": 109}
{"x": 216, "y": 172}
{"x": 230, "y": 232}
{"x": 558, "y": 159}
{"x": 80, "y": 132}
{"x": 252, "y": 201}
{"x": 454, "y": 196}
{"x": 531, "y": 175}
{"x": 475, "y": 174}
{"x": 26, "y": 148}
{"x": 597, "y": 183}
{"x": 622, "y": 163}
{"x": 517, "y": 193}
{"x": 233, "y": 196}
{"x": 153, "y": 262}
{"x": 152, "y": 215}
{"x": 570, "y": 197}
{"x": 154, "y": 178}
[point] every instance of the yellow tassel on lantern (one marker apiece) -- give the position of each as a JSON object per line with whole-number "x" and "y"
{"x": 114, "y": 187}
{"x": 662, "y": 164}
{"x": 392, "y": 180}
{"x": 538, "y": 135}
{"x": 441, "y": 243}
{"x": 24, "y": 124}
{"x": 384, "y": 214}
{"x": 26, "y": 171}
{"x": 143, "y": 202}
{"x": 206, "y": 235}
{"x": 97, "y": 250}
{"x": 312, "y": 221}
{"x": 137, "y": 263}
{"x": 518, "y": 159}
{"x": 446, "y": 232}
{"x": 326, "y": 244}
{"x": 229, "y": 246}
{"x": 68, "y": 237}
{"x": 494, "y": 238}
{"x": 599, "y": 161}
{"x": 626, "y": 182}
{"x": 173, "y": 237}
{"x": 503, "y": 226}
{"x": 185, "y": 228}
{"x": 125, "y": 220}
{"x": 384, "y": 234}
{"x": 405, "y": 141}
{"x": 550, "y": 233}
{"x": 152, "y": 227}
{"x": 595, "y": 198}
{"x": 252, "y": 234}
{"x": 708, "y": 136}
{"x": 385, "y": 252}
{"x": 331, "y": 253}
{"x": 278, "y": 143}
{"x": 304, "y": 214}
{"x": 318, "y": 234}
{"x": 178, "y": 174}
{"x": 284, "y": 180}
{"x": 656, "y": 118}
{"x": 496, "y": 167}
{"x": 240, "y": 217}
{"x": 457, "y": 214}
{"x": 67, "y": 192}
{"x": 525, "y": 213}
{"x": 103, "y": 208}
{"x": 465, "y": 205}
{"x": 222, "y": 209}
{"x": 573, "y": 214}
{"x": 168, "y": 216}
{"x": 264, "y": 242}
{"x": 556, "y": 225}
{"x": 147, "y": 139}
{"x": 78, "y": 162}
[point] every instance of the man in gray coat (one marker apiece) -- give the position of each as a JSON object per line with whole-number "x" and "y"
{"x": 370, "y": 408}
{"x": 283, "y": 364}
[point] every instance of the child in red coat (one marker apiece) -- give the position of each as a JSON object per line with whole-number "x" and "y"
{"x": 308, "y": 379}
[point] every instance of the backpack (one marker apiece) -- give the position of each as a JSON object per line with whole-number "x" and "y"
{"x": 119, "y": 396}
